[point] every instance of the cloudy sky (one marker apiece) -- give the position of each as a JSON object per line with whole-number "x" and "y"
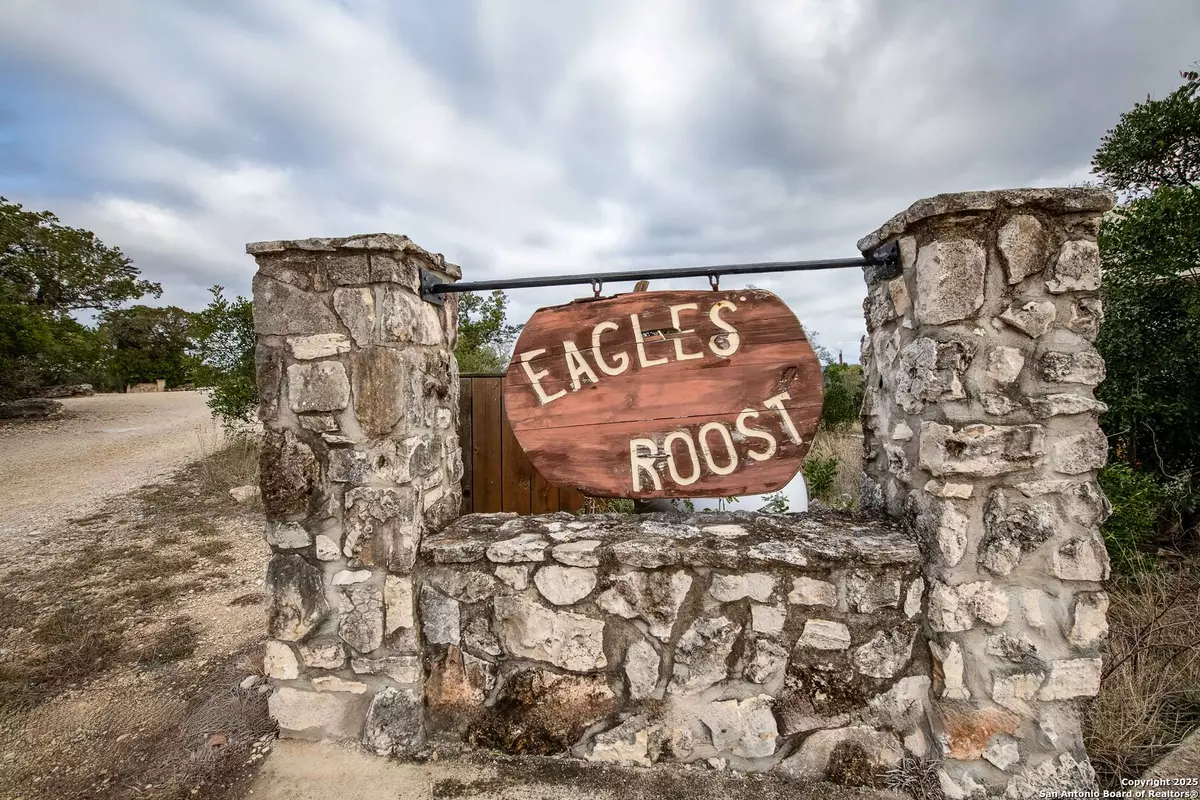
{"x": 521, "y": 138}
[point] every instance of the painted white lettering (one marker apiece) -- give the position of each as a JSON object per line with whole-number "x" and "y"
{"x": 669, "y": 449}
{"x": 723, "y": 344}
{"x": 535, "y": 377}
{"x": 639, "y": 463}
{"x": 776, "y": 403}
{"x": 679, "y": 354}
{"x": 641, "y": 344}
{"x": 577, "y": 365}
{"x": 704, "y": 448}
{"x": 746, "y": 430}
{"x": 621, "y": 359}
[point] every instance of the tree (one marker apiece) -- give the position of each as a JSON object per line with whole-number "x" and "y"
{"x": 144, "y": 343}
{"x": 1150, "y": 340}
{"x": 46, "y": 264}
{"x": 224, "y": 356}
{"x": 1151, "y": 282}
{"x": 47, "y": 271}
{"x": 483, "y": 336}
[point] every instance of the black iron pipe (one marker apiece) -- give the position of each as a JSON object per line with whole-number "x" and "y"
{"x": 884, "y": 257}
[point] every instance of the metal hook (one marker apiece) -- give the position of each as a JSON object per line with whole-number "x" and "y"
{"x": 596, "y": 287}
{"x": 715, "y": 282}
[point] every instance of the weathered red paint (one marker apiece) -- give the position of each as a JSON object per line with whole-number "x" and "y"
{"x": 666, "y": 394}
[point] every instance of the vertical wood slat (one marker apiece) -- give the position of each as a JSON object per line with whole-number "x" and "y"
{"x": 543, "y": 495}
{"x": 518, "y": 474}
{"x": 466, "y": 440}
{"x": 487, "y": 437}
{"x": 497, "y": 475}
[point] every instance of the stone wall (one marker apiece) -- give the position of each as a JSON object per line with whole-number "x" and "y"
{"x": 981, "y": 434}
{"x": 753, "y": 641}
{"x": 359, "y": 401}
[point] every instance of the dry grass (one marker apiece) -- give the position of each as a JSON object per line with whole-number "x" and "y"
{"x": 845, "y": 447}
{"x": 1150, "y": 693}
{"x": 103, "y": 692}
{"x": 226, "y": 461}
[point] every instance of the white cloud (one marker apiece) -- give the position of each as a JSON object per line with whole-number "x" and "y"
{"x": 529, "y": 138}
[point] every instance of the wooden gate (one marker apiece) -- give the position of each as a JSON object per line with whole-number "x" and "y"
{"x": 497, "y": 476}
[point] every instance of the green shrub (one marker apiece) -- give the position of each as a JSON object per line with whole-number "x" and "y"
{"x": 843, "y": 387}
{"x": 1137, "y": 503}
{"x": 820, "y": 476}
{"x": 224, "y": 334}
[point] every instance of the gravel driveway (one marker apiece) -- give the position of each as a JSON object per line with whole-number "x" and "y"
{"x": 103, "y": 446}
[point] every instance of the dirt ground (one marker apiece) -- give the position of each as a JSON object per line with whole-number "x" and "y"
{"x": 130, "y": 618}
{"x": 102, "y": 447}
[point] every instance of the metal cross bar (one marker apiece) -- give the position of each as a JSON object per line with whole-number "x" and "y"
{"x": 885, "y": 260}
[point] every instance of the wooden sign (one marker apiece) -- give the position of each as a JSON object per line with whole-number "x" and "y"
{"x": 666, "y": 394}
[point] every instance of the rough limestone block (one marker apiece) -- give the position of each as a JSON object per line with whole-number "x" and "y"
{"x": 702, "y": 655}
{"x": 395, "y": 723}
{"x": 743, "y": 728}
{"x": 318, "y": 386}
{"x": 812, "y": 592}
{"x": 979, "y": 450}
{"x": 641, "y": 669}
{"x": 1085, "y": 368}
{"x": 949, "y": 275}
{"x": 1017, "y": 690}
{"x": 652, "y": 596}
{"x": 318, "y": 345}
{"x": 880, "y": 750}
{"x": 957, "y": 608}
{"x": 1081, "y": 452}
{"x": 316, "y": 715}
{"x": 1031, "y": 317}
{"x": 731, "y": 588}
{"x": 1076, "y": 269}
{"x": 298, "y": 601}
{"x": 1089, "y": 625}
{"x": 822, "y": 634}
{"x": 1068, "y": 678}
{"x": 287, "y": 471}
{"x": 279, "y": 661}
{"x": 381, "y": 527}
{"x": 627, "y": 744}
{"x": 564, "y": 586}
{"x": 563, "y": 638}
{"x": 948, "y": 658}
{"x": 885, "y": 654}
{"x": 377, "y": 376}
{"x": 283, "y": 310}
{"x": 360, "y": 623}
{"x": 1021, "y": 245}
{"x": 1004, "y": 365}
{"x": 1083, "y": 558}
{"x": 356, "y": 309}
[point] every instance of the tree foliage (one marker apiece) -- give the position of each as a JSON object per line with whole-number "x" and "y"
{"x": 146, "y": 343}
{"x": 223, "y": 335}
{"x": 1151, "y": 282}
{"x": 48, "y": 265}
{"x": 1150, "y": 340}
{"x": 483, "y": 336}
{"x": 843, "y": 386}
{"x": 47, "y": 271}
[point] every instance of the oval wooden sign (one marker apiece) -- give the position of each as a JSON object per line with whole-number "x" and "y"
{"x": 666, "y": 394}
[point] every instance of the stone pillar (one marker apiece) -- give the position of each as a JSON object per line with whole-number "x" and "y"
{"x": 359, "y": 402}
{"x": 980, "y": 432}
